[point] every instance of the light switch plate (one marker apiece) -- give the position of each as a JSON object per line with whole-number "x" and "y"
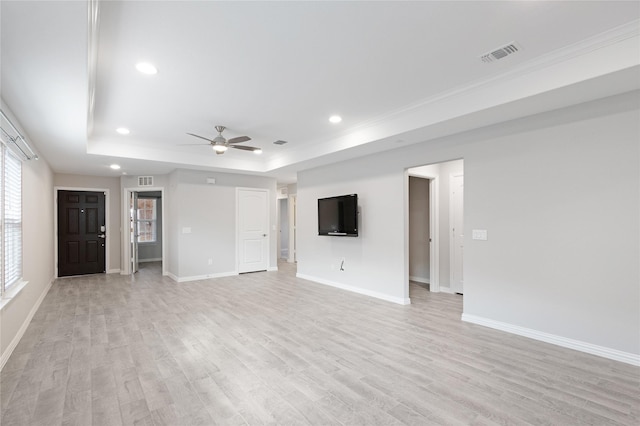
{"x": 479, "y": 234}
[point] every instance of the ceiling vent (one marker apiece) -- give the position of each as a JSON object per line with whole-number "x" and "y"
{"x": 279, "y": 142}
{"x": 145, "y": 180}
{"x": 501, "y": 52}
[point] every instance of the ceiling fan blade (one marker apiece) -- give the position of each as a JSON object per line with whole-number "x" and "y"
{"x": 244, "y": 148}
{"x": 238, "y": 139}
{"x": 201, "y": 137}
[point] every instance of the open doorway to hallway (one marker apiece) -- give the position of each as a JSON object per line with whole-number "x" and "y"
{"x": 286, "y": 211}
{"x": 435, "y": 228}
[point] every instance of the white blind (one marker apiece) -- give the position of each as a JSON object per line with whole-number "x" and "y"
{"x": 11, "y": 219}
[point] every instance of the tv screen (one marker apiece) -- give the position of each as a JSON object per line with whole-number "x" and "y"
{"x": 338, "y": 216}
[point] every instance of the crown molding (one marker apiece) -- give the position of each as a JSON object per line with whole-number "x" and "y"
{"x": 545, "y": 73}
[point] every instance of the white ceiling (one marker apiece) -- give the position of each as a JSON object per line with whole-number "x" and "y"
{"x": 395, "y": 71}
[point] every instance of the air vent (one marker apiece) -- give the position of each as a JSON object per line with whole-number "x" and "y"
{"x": 283, "y": 191}
{"x": 279, "y": 142}
{"x": 145, "y": 180}
{"x": 501, "y": 52}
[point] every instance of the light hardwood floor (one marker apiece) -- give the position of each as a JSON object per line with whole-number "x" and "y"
{"x": 268, "y": 348}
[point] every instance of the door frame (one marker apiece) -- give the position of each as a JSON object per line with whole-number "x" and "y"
{"x": 269, "y": 230}
{"x": 293, "y": 222}
{"x": 107, "y": 224}
{"x": 434, "y": 231}
{"x": 452, "y": 176}
{"x": 126, "y": 231}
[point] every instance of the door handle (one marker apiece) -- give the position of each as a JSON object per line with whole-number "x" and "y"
{"x": 101, "y": 236}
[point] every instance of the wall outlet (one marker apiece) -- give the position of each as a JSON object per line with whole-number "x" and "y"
{"x": 210, "y": 262}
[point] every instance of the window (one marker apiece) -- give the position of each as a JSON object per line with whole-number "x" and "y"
{"x": 147, "y": 220}
{"x": 11, "y": 219}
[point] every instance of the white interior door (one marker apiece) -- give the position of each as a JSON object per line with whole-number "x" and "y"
{"x": 133, "y": 209}
{"x": 253, "y": 227}
{"x": 457, "y": 233}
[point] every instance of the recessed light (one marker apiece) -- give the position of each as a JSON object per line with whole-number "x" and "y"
{"x": 115, "y": 166}
{"x": 146, "y": 68}
{"x": 335, "y": 119}
{"x": 123, "y": 130}
{"x": 257, "y": 151}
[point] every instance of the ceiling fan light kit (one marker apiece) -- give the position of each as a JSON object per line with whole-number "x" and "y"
{"x": 220, "y": 144}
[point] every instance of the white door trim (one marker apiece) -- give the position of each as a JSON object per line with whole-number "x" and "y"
{"x": 293, "y": 199}
{"x": 126, "y": 232}
{"x": 434, "y": 230}
{"x": 107, "y": 224}
{"x": 452, "y": 259}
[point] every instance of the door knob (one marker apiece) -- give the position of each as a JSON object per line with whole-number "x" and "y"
{"x": 264, "y": 235}
{"x": 101, "y": 236}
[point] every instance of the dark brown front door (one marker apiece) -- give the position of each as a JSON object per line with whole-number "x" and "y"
{"x": 81, "y": 236}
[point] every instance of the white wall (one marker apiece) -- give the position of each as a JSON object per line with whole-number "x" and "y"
{"x": 559, "y": 194}
{"x": 210, "y": 211}
{"x": 37, "y": 250}
{"x": 374, "y": 261}
{"x": 114, "y": 206}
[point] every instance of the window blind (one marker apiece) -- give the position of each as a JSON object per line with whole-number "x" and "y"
{"x": 11, "y": 219}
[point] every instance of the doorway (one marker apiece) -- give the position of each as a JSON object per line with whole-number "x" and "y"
{"x": 144, "y": 235}
{"x": 146, "y": 217}
{"x": 81, "y": 221}
{"x": 292, "y": 228}
{"x": 435, "y": 226}
{"x": 283, "y": 225}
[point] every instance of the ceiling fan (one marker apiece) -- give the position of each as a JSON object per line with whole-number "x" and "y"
{"x": 220, "y": 144}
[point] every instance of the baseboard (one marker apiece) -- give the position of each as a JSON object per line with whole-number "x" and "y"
{"x": 157, "y": 259}
{"x": 201, "y": 277}
{"x": 23, "y": 328}
{"x": 419, "y": 279}
{"x": 614, "y": 354}
{"x": 446, "y": 290}
{"x": 113, "y": 271}
{"x": 358, "y": 290}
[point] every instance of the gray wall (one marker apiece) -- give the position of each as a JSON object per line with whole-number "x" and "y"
{"x": 559, "y": 194}
{"x": 210, "y": 211}
{"x": 419, "y": 250}
{"x": 37, "y": 248}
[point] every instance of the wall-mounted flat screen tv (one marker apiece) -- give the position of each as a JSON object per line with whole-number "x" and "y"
{"x": 338, "y": 216}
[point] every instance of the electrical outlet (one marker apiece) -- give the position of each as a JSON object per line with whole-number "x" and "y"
{"x": 210, "y": 262}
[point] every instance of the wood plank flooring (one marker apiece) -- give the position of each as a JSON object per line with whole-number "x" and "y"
{"x": 268, "y": 348}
